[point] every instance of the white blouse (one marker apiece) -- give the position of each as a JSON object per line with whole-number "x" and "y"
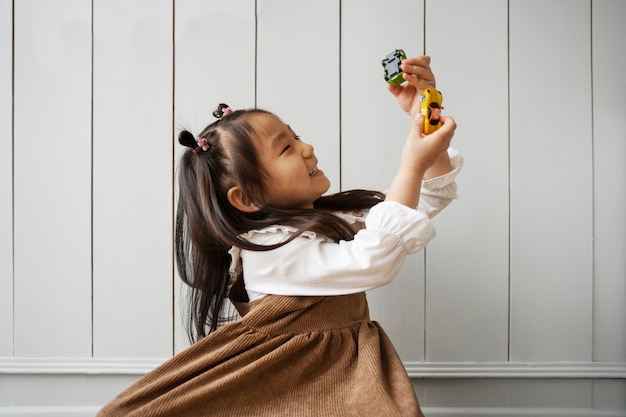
{"x": 312, "y": 265}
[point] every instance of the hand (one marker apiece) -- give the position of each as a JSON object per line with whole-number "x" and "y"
{"x": 418, "y": 77}
{"x": 421, "y": 154}
{"x": 429, "y": 152}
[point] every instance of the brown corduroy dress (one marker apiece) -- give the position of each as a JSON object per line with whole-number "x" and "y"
{"x": 288, "y": 357}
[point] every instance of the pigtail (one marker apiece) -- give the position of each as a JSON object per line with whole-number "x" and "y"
{"x": 201, "y": 241}
{"x": 187, "y": 139}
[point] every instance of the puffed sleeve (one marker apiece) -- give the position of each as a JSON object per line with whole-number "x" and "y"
{"x": 311, "y": 265}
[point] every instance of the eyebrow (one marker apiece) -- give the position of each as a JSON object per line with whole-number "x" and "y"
{"x": 275, "y": 139}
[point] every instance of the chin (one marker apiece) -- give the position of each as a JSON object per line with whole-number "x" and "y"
{"x": 327, "y": 186}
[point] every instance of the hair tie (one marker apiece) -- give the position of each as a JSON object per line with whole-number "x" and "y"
{"x": 202, "y": 145}
{"x": 223, "y": 110}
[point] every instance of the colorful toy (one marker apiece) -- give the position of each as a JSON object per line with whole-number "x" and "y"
{"x": 391, "y": 65}
{"x": 431, "y": 109}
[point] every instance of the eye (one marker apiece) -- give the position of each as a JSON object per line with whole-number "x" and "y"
{"x": 296, "y": 137}
{"x": 285, "y": 149}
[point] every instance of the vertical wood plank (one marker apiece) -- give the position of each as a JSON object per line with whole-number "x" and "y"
{"x": 466, "y": 282}
{"x": 215, "y": 43}
{"x": 551, "y": 181}
{"x": 6, "y": 178}
{"x": 215, "y": 62}
{"x": 373, "y": 128}
{"x": 52, "y": 145}
{"x": 609, "y": 151}
{"x": 298, "y": 72}
{"x": 132, "y": 178}
{"x": 373, "y": 131}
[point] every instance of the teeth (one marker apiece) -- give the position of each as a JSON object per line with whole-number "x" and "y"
{"x": 313, "y": 172}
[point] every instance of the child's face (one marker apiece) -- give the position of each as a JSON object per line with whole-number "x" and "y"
{"x": 295, "y": 180}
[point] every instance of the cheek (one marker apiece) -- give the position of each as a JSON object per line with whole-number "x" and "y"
{"x": 282, "y": 181}
{"x": 289, "y": 173}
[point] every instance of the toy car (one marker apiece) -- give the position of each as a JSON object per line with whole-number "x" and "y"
{"x": 431, "y": 108}
{"x": 391, "y": 65}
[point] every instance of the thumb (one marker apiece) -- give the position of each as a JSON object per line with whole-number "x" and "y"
{"x": 418, "y": 123}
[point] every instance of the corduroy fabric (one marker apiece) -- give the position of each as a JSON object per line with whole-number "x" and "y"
{"x": 288, "y": 357}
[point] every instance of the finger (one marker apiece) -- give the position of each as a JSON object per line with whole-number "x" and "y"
{"x": 418, "y": 123}
{"x": 414, "y": 67}
{"x": 448, "y": 125}
{"x": 423, "y": 60}
{"x": 418, "y": 73}
{"x": 448, "y": 120}
{"x": 441, "y": 138}
{"x": 419, "y": 68}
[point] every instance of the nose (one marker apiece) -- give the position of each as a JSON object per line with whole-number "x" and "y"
{"x": 307, "y": 150}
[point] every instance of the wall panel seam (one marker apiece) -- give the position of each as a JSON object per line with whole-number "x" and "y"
{"x": 508, "y": 98}
{"x": 92, "y": 178}
{"x": 173, "y": 183}
{"x": 13, "y": 176}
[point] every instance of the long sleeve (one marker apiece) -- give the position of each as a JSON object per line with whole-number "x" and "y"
{"x": 437, "y": 193}
{"x": 312, "y": 265}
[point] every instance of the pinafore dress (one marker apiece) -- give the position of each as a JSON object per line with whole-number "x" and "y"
{"x": 288, "y": 357}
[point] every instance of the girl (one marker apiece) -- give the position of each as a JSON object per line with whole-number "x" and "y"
{"x": 253, "y": 226}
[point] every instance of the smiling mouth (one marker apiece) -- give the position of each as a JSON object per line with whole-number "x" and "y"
{"x": 313, "y": 172}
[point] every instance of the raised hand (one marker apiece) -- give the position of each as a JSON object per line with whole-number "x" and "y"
{"x": 417, "y": 76}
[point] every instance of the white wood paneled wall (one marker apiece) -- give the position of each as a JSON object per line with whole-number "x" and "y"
{"x": 52, "y": 192}
{"x": 6, "y": 180}
{"x": 518, "y": 307}
{"x": 552, "y": 203}
{"x": 132, "y": 179}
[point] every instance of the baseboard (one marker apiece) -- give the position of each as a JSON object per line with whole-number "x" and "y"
{"x": 78, "y": 366}
{"x": 519, "y": 412}
{"x": 50, "y": 411}
{"x": 508, "y": 370}
{"x": 26, "y": 383}
{"x": 418, "y": 370}
{"x": 91, "y": 411}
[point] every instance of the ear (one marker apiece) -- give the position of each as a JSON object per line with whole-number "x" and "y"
{"x": 239, "y": 200}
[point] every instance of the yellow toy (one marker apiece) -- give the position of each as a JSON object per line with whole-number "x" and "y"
{"x": 431, "y": 109}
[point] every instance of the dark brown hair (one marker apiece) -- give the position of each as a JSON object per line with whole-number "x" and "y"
{"x": 207, "y": 225}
